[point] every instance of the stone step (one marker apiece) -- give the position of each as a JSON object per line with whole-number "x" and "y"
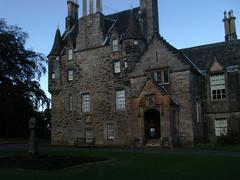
{"x": 153, "y": 143}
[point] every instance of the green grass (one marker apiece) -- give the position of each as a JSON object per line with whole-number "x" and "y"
{"x": 129, "y": 165}
{"x": 228, "y": 148}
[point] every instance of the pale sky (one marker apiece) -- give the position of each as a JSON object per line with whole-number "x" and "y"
{"x": 183, "y": 23}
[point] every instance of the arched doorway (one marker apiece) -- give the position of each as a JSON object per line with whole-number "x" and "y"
{"x": 152, "y": 126}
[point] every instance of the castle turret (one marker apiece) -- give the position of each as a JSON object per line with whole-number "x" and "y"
{"x": 57, "y": 45}
{"x": 54, "y": 64}
{"x": 230, "y": 26}
{"x": 149, "y": 10}
{"x": 72, "y": 17}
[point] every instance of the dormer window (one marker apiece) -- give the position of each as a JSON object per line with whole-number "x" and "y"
{"x": 218, "y": 88}
{"x": 70, "y": 54}
{"x": 115, "y": 46}
{"x": 117, "y": 67}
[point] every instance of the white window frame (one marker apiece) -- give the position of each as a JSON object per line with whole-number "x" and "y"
{"x": 221, "y": 127}
{"x": 110, "y": 131}
{"x": 120, "y": 99}
{"x": 117, "y": 67}
{"x": 70, "y": 75}
{"x": 88, "y": 135}
{"x": 86, "y": 102}
{"x": 115, "y": 45}
{"x": 70, "y": 54}
{"x": 218, "y": 87}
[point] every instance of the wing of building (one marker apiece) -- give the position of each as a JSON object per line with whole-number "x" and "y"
{"x": 115, "y": 81}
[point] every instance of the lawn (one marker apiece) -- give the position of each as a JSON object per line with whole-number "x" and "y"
{"x": 136, "y": 165}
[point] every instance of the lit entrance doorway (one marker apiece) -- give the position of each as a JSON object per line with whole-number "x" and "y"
{"x": 152, "y": 127}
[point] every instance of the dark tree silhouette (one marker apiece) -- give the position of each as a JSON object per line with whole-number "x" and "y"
{"x": 20, "y": 71}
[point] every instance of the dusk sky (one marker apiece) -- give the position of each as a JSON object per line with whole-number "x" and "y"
{"x": 183, "y": 23}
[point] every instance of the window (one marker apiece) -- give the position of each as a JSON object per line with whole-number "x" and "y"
{"x": 70, "y": 54}
{"x": 152, "y": 133}
{"x": 165, "y": 77}
{"x": 156, "y": 56}
{"x": 89, "y": 135}
{"x": 115, "y": 45}
{"x": 125, "y": 64}
{"x": 85, "y": 102}
{"x": 70, "y": 75}
{"x": 120, "y": 99}
{"x": 221, "y": 127}
{"x": 57, "y": 58}
{"x": 53, "y": 76}
{"x": 161, "y": 77}
{"x": 218, "y": 89}
{"x": 110, "y": 131}
{"x": 117, "y": 67}
{"x": 198, "y": 110}
{"x": 135, "y": 42}
{"x": 70, "y": 101}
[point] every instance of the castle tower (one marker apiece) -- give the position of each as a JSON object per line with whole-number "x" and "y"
{"x": 72, "y": 17}
{"x": 230, "y": 26}
{"x": 149, "y": 9}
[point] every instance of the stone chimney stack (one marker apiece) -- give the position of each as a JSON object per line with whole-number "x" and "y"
{"x": 94, "y": 6}
{"x": 230, "y": 26}
{"x": 99, "y": 5}
{"x": 91, "y": 7}
{"x": 72, "y": 17}
{"x": 149, "y": 10}
{"x": 84, "y": 6}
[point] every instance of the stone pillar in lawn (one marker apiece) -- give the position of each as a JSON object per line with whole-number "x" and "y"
{"x": 32, "y": 148}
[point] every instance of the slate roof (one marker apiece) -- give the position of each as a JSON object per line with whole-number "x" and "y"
{"x": 125, "y": 23}
{"x": 227, "y": 54}
{"x": 57, "y": 45}
{"x": 133, "y": 29}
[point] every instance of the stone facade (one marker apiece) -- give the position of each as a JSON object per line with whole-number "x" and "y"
{"x": 163, "y": 93}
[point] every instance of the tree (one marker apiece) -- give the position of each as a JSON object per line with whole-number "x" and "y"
{"x": 20, "y": 71}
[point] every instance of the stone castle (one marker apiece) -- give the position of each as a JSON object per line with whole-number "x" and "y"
{"x": 115, "y": 81}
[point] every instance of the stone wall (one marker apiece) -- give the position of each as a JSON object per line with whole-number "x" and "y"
{"x": 228, "y": 108}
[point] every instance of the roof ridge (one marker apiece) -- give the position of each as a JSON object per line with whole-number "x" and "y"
{"x": 212, "y": 44}
{"x": 117, "y": 13}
